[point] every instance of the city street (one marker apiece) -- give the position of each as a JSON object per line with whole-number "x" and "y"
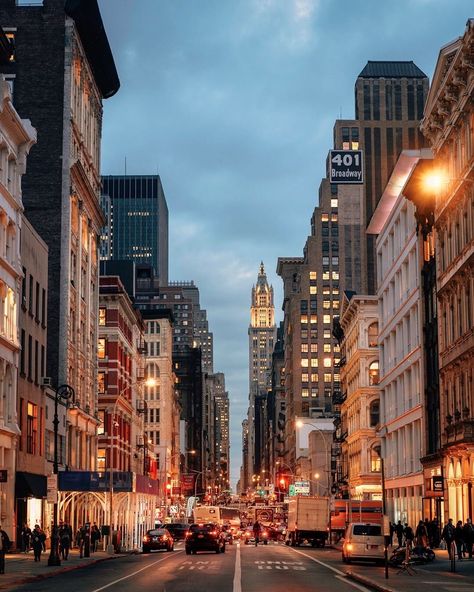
{"x": 242, "y": 568}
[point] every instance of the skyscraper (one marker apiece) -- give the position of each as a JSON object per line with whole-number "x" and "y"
{"x": 137, "y": 221}
{"x": 262, "y": 334}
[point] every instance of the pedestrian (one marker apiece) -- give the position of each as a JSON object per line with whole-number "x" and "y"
{"x": 421, "y": 535}
{"x": 4, "y": 546}
{"x": 409, "y": 536}
{"x": 64, "y": 541}
{"x": 25, "y": 538}
{"x": 392, "y": 530}
{"x": 459, "y": 539}
{"x": 95, "y": 537}
{"x": 468, "y": 535}
{"x": 37, "y": 541}
{"x": 399, "y": 532}
{"x": 256, "y": 531}
{"x": 448, "y": 535}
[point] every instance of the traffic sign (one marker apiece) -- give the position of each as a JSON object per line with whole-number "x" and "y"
{"x": 345, "y": 167}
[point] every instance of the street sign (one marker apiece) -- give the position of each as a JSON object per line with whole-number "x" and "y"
{"x": 302, "y": 488}
{"x": 345, "y": 167}
{"x": 52, "y": 489}
{"x": 291, "y": 490}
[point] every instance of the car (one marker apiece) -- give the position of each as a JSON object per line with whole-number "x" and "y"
{"x": 363, "y": 541}
{"x": 249, "y": 537}
{"x": 178, "y": 530}
{"x": 204, "y": 537}
{"x": 157, "y": 538}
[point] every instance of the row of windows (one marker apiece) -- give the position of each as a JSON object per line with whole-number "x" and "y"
{"x": 32, "y": 358}
{"x": 30, "y": 438}
{"x": 33, "y": 298}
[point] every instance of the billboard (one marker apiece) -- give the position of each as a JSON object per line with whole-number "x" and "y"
{"x": 346, "y": 167}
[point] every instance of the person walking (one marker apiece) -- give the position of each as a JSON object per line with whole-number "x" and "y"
{"x": 4, "y": 546}
{"x": 421, "y": 535}
{"x": 459, "y": 539}
{"x": 25, "y": 538}
{"x": 256, "y": 531}
{"x": 468, "y": 535}
{"x": 95, "y": 537}
{"x": 409, "y": 536}
{"x": 64, "y": 541}
{"x": 448, "y": 535}
{"x": 399, "y": 533}
{"x": 37, "y": 540}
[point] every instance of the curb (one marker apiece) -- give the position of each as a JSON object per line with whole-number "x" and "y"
{"x": 368, "y": 582}
{"x": 44, "y": 576}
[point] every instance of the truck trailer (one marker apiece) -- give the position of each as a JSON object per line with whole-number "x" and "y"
{"x": 308, "y": 521}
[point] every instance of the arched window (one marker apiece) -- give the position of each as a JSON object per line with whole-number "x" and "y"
{"x": 374, "y": 413}
{"x": 374, "y": 373}
{"x": 375, "y": 461}
{"x": 373, "y": 333}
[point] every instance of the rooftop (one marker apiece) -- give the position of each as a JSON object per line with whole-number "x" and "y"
{"x": 375, "y": 69}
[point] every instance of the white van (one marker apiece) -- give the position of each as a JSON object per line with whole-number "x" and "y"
{"x": 363, "y": 541}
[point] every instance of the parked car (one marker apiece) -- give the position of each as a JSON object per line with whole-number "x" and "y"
{"x": 178, "y": 530}
{"x": 157, "y": 538}
{"x": 363, "y": 542}
{"x": 204, "y": 537}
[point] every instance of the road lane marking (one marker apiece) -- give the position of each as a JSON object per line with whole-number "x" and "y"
{"x": 237, "y": 585}
{"x": 134, "y": 573}
{"x": 351, "y": 583}
{"x": 335, "y": 570}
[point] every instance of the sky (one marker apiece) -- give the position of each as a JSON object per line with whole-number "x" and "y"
{"x": 233, "y": 103}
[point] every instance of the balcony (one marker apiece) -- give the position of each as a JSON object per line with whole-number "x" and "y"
{"x": 460, "y": 431}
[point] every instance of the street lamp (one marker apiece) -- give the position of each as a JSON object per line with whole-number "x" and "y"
{"x": 149, "y": 382}
{"x": 66, "y": 393}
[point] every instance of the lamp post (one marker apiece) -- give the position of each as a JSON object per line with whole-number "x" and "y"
{"x": 66, "y": 393}
{"x": 300, "y": 424}
{"x": 150, "y": 382}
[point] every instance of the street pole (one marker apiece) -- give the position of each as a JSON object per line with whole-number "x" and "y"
{"x": 64, "y": 392}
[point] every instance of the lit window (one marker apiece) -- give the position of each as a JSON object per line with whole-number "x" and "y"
{"x": 327, "y": 334}
{"x": 333, "y": 217}
{"x": 326, "y": 304}
{"x": 101, "y": 426}
{"x": 327, "y": 377}
{"x": 335, "y": 303}
{"x": 101, "y": 348}
{"x": 314, "y": 362}
{"x": 333, "y": 202}
{"x": 314, "y": 392}
{"x": 324, "y": 217}
{"x": 337, "y": 377}
{"x": 304, "y": 318}
{"x": 314, "y": 319}
{"x": 305, "y": 393}
{"x": 327, "y": 362}
{"x": 102, "y": 316}
{"x": 374, "y": 373}
{"x": 101, "y": 459}
{"x": 375, "y": 462}
{"x": 313, "y": 275}
{"x": 325, "y": 275}
{"x": 373, "y": 333}
{"x": 314, "y": 377}
{"x": 304, "y": 377}
{"x": 314, "y": 348}
{"x": 327, "y": 348}
{"x": 304, "y": 363}
{"x": 335, "y": 275}
{"x": 32, "y": 428}
{"x": 101, "y": 383}
{"x": 326, "y": 319}
{"x": 304, "y": 347}
{"x": 313, "y": 290}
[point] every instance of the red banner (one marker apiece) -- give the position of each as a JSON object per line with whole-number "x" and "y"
{"x": 187, "y": 483}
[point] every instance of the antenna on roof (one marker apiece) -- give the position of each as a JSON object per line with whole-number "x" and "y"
{"x": 125, "y": 165}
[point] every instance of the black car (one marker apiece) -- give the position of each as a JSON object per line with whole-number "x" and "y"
{"x": 178, "y": 530}
{"x": 204, "y": 537}
{"x": 157, "y": 538}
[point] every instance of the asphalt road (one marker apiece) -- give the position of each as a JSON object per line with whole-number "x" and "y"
{"x": 242, "y": 568}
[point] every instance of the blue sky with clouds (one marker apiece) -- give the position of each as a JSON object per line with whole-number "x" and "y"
{"x": 233, "y": 103}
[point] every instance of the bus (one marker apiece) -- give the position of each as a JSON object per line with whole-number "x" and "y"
{"x": 219, "y": 514}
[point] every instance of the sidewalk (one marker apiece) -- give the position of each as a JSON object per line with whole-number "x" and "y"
{"x": 436, "y": 574}
{"x": 21, "y": 568}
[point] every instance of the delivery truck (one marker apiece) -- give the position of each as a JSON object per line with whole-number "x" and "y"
{"x": 308, "y": 521}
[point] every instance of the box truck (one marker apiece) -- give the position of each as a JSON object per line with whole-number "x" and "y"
{"x": 308, "y": 521}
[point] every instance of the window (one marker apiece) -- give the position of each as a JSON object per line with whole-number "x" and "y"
{"x": 313, "y": 275}
{"x": 30, "y": 357}
{"x": 313, "y": 290}
{"x": 314, "y": 348}
{"x": 334, "y": 202}
{"x": 31, "y": 428}
{"x": 326, "y": 304}
{"x": 102, "y": 317}
{"x": 327, "y": 348}
{"x": 314, "y": 362}
{"x": 101, "y": 459}
{"x": 374, "y": 412}
{"x": 304, "y": 363}
{"x": 373, "y": 333}
{"x": 101, "y": 426}
{"x": 373, "y": 373}
{"x": 22, "y": 352}
{"x": 324, "y": 217}
{"x": 30, "y": 295}
{"x": 326, "y": 319}
{"x": 327, "y": 362}
{"x": 101, "y": 346}
{"x": 304, "y": 377}
{"x": 101, "y": 383}
{"x": 314, "y": 391}
{"x": 43, "y": 308}
{"x": 375, "y": 463}
{"x": 327, "y": 334}
{"x": 304, "y": 318}
{"x": 304, "y": 347}
{"x": 37, "y": 303}
{"x": 305, "y": 393}
{"x": 314, "y": 377}
{"x": 314, "y": 319}
{"x": 327, "y": 377}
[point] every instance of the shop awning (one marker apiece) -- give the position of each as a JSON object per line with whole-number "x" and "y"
{"x": 30, "y": 485}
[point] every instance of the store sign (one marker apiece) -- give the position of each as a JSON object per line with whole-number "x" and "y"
{"x": 52, "y": 489}
{"x": 302, "y": 488}
{"x": 187, "y": 482}
{"x": 345, "y": 166}
{"x": 438, "y": 483}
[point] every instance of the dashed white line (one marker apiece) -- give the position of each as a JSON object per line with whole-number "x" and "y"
{"x": 134, "y": 573}
{"x": 237, "y": 585}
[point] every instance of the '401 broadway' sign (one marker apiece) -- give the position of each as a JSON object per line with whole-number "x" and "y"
{"x": 345, "y": 166}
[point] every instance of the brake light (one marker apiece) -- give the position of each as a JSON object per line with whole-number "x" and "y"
{"x": 188, "y": 534}
{"x": 146, "y": 539}
{"x": 213, "y": 532}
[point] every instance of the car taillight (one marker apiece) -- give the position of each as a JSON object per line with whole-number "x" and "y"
{"x": 213, "y": 532}
{"x": 164, "y": 537}
{"x": 146, "y": 539}
{"x": 188, "y": 534}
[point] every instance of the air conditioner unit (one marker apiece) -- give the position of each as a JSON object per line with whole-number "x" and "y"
{"x": 46, "y": 381}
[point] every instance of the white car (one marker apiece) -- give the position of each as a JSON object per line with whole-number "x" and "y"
{"x": 363, "y": 542}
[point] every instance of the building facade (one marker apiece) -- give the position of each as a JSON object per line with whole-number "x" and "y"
{"x": 16, "y": 138}
{"x": 137, "y": 221}
{"x": 359, "y": 400}
{"x": 61, "y": 190}
{"x": 449, "y": 126}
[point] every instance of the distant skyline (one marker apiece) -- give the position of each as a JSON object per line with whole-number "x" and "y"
{"x": 232, "y": 103}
